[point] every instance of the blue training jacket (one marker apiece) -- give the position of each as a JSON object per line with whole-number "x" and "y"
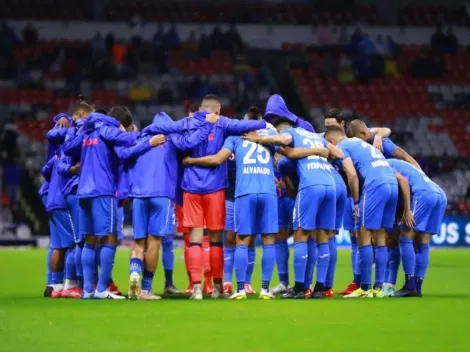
{"x": 206, "y": 180}
{"x": 51, "y": 149}
{"x": 70, "y": 181}
{"x": 157, "y": 172}
{"x": 55, "y": 198}
{"x": 277, "y": 106}
{"x": 46, "y": 172}
{"x": 99, "y": 164}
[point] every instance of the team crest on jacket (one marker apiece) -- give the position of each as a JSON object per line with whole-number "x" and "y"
{"x": 210, "y": 137}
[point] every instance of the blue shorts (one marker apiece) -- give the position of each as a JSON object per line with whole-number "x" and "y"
{"x": 229, "y": 215}
{"x": 315, "y": 208}
{"x": 341, "y": 200}
{"x": 74, "y": 211}
{"x": 285, "y": 208}
{"x": 377, "y": 207}
{"x": 349, "y": 222}
{"x": 423, "y": 205}
{"x": 61, "y": 229}
{"x": 171, "y": 228}
{"x": 430, "y": 210}
{"x": 98, "y": 216}
{"x": 151, "y": 216}
{"x": 120, "y": 223}
{"x": 256, "y": 214}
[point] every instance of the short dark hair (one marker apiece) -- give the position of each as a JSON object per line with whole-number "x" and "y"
{"x": 254, "y": 113}
{"x": 334, "y": 130}
{"x": 355, "y": 127}
{"x": 123, "y": 115}
{"x": 102, "y": 111}
{"x": 211, "y": 97}
{"x": 84, "y": 105}
{"x": 194, "y": 107}
{"x": 334, "y": 114}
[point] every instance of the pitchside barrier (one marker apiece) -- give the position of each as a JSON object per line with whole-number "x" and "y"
{"x": 455, "y": 232}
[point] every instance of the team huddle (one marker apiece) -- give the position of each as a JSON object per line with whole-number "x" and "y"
{"x": 224, "y": 181}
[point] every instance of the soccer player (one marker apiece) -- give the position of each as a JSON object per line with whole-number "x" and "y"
{"x": 99, "y": 167}
{"x": 204, "y": 195}
{"x": 153, "y": 189}
{"x": 312, "y": 218}
{"x": 358, "y": 129}
{"x": 69, "y": 169}
{"x": 255, "y": 204}
{"x": 334, "y": 117}
{"x": 284, "y": 168}
{"x": 427, "y": 209}
{"x": 375, "y": 208}
{"x": 63, "y": 121}
{"x": 62, "y": 235}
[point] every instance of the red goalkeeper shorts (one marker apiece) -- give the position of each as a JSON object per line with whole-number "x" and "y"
{"x": 204, "y": 209}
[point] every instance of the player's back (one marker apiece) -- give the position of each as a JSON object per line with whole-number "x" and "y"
{"x": 312, "y": 170}
{"x": 99, "y": 164}
{"x": 416, "y": 178}
{"x": 370, "y": 164}
{"x": 254, "y": 166}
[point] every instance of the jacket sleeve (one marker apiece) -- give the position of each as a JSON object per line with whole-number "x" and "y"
{"x": 126, "y": 153}
{"x": 57, "y": 135}
{"x": 236, "y": 127}
{"x": 185, "y": 142}
{"x": 73, "y": 145}
{"x": 46, "y": 170}
{"x": 65, "y": 163}
{"x": 117, "y": 137}
{"x": 164, "y": 127}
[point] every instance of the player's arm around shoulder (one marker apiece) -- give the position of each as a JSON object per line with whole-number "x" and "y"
{"x": 283, "y": 139}
{"x": 399, "y": 153}
{"x": 216, "y": 159}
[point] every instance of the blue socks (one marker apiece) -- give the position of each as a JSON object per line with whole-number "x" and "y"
{"x": 97, "y": 262}
{"x": 312, "y": 258}
{"x": 366, "y": 259}
{"x": 282, "y": 261}
{"x": 381, "y": 259}
{"x": 355, "y": 261}
{"x": 300, "y": 261}
{"x": 49, "y": 270}
{"x": 422, "y": 261}
{"x": 393, "y": 265}
{"x": 57, "y": 277}
{"x": 147, "y": 280}
{"x": 229, "y": 259}
{"x": 323, "y": 259}
{"x": 330, "y": 274}
{"x": 408, "y": 258}
{"x": 108, "y": 252}
{"x": 88, "y": 264}
{"x": 241, "y": 263}
{"x": 251, "y": 264}
{"x": 78, "y": 264}
{"x": 267, "y": 265}
{"x": 70, "y": 268}
{"x": 168, "y": 259}
{"x": 136, "y": 266}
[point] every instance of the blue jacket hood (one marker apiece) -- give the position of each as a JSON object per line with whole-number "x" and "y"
{"x": 97, "y": 120}
{"x": 277, "y": 106}
{"x": 161, "y": 116}
{"x": 59, "y": 116}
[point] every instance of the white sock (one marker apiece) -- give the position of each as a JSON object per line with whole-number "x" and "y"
{"x": 57, "y": 287}
{"x": 69, "y": 284}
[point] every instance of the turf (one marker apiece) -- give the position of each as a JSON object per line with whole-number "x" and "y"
{"x": 436, "y": 322}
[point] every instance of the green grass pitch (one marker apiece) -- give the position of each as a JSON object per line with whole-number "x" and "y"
{"x": 437, "y": 322}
